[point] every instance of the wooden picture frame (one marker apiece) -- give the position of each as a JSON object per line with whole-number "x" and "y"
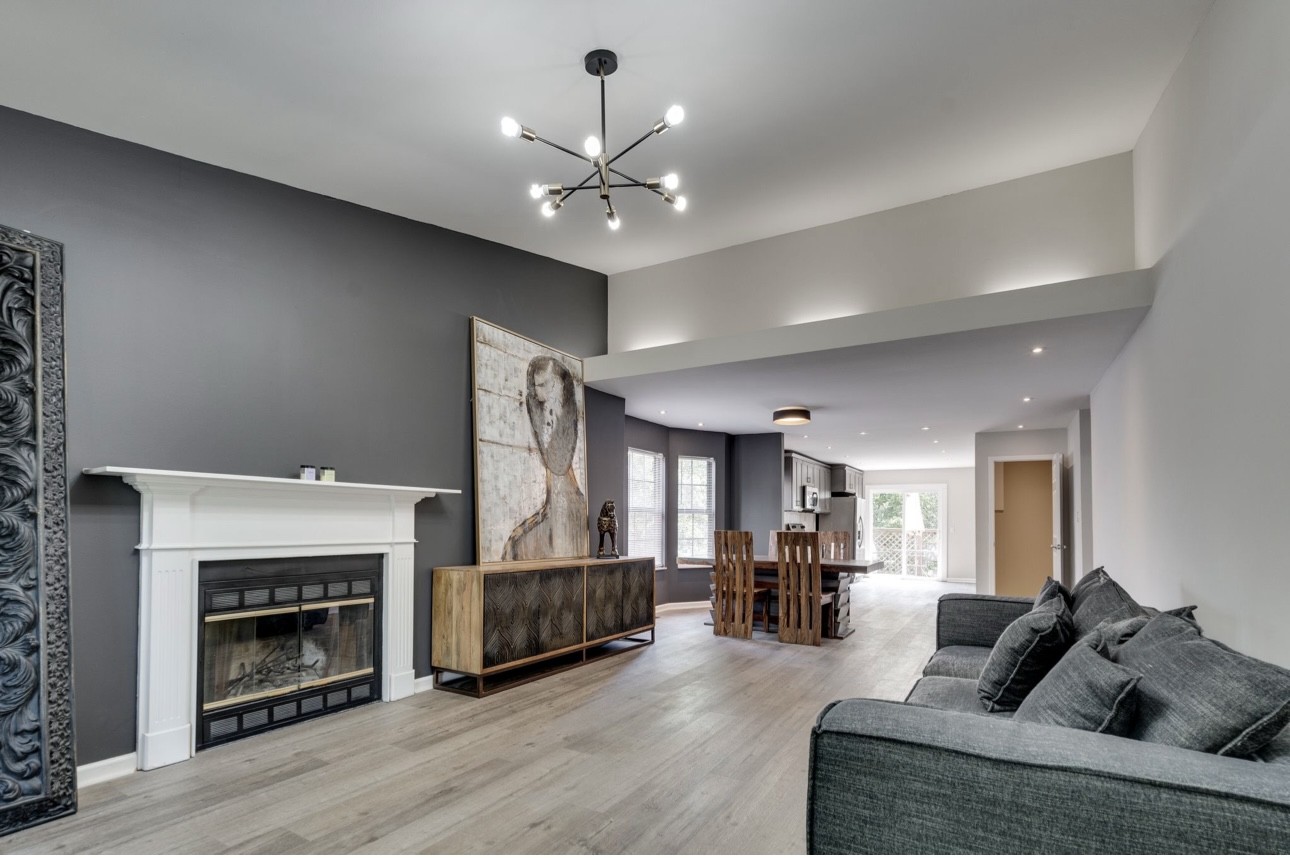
{"x": 38, "y": 768}
{"x": 529, "y": 409}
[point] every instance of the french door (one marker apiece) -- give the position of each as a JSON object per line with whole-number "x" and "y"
{"x": 907, "y": 529}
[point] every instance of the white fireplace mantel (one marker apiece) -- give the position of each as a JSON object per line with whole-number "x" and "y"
{"x": 187, "y": 517}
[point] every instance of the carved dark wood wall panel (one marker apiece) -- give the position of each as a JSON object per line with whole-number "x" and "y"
{"x": 37, "y": 756}
{"x": 530, "y": 613}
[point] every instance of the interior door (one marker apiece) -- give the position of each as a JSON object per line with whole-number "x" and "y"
{"x": 1026, "y": 530}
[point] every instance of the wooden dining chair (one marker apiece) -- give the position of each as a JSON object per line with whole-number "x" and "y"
{"x": 735, "y": 595}
{"x": 803, "y": 604}
{"x": 835, "y": 545}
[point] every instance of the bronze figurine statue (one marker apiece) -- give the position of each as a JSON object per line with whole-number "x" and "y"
{"x": 607, "y": 523}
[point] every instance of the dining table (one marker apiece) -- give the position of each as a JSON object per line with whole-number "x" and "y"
{"x": 834, "y": 575}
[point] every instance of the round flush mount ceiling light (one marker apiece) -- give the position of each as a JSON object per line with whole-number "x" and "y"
{"x": 794, "y": 416}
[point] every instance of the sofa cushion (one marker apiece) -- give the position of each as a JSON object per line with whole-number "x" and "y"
{"x": 950, "y": 693}
{"x": 1102, "y": 599}
{"x": 1052, "y": 587}
{"x": 1082, "y": 585}
{"x": 1277, "y": 751}
{"x": 1110, "y": 635}
{"x": 1197, "y": 693}
{"x": 963, "y": 662}
{"x": 1084, "y": 691}
{"x": 1027, "y": 649}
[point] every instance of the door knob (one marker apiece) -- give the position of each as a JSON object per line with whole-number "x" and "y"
{"x": 1058, "y": 547}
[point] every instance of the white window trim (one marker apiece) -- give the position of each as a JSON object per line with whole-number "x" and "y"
{"x": 942, "y": 491}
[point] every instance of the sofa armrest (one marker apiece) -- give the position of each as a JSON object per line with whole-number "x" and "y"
{"x": 968, "y": 619}
{"x": 892, "y": 778}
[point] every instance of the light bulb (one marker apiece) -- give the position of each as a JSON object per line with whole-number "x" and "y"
{"x": 591, "y": 146}
{"x": 510, "y": 127}
{"x": 535, "y": 191}
{"x": 670, "y": 181}
{"x": 675, "y": 115}
{"x": 551, "y": 207}
{"x": 680, "y": 204}
{"x": 614, "y": 222}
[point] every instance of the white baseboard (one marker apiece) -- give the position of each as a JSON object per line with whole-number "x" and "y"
{"x": 960, "y": 580}
{"x": 423, "y": 683}
{"x": 105, "y": 770}
{"x": 680, "y": 606}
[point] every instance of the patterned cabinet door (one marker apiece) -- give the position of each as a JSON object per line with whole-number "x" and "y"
{"x": 604, "y": 601}
{"x": 531, "y": 613}
{"x": 638, "y": 593}
{"x": 620, "y": 597}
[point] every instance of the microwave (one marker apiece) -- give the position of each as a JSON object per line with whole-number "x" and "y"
{"x": 809, "y": 499}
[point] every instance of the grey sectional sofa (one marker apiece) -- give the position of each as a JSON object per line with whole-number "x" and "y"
{"x": 939, "y": 774}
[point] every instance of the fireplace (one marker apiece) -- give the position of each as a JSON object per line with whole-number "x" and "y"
{"x": 285, "y": 640}
{"x": 190, "y": 522}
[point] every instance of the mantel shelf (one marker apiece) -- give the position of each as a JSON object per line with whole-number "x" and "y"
{"x": 194, "y": 479}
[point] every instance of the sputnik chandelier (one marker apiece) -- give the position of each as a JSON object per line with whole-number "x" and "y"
{"x": 601, "y": 64}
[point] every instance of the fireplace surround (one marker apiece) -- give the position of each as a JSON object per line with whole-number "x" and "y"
{"x": 188, "y": 518}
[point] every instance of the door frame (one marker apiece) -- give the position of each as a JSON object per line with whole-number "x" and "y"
{"x": 942, "y": 498}
{"x": 1057, "y": 460}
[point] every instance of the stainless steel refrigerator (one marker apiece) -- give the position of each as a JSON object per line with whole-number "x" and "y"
{"x": 846, "y": 512}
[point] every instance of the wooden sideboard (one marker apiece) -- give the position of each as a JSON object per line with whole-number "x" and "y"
{"x": 502, "y": 624}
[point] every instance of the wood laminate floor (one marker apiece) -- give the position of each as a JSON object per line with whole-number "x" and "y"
{"x": 695, "y": 744}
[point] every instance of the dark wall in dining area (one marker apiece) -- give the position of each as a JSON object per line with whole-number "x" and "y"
{"x": 749, "y": 491}
{"x": 223, "y": 323}
{"x": 606, "y": 461}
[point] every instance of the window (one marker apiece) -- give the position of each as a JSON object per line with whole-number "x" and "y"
{"x": 645, "y": 504}
{"x": 695, "y": 506}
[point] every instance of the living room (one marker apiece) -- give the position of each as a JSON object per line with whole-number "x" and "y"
{"x": 244, "y": 295}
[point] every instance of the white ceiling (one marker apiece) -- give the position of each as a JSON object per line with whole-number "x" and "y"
{"x": 956, "y": 384}
{"x": 798, "y": 113}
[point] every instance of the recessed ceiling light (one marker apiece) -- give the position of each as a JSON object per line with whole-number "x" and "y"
{"x": 943, "y": 450}
{"x": 864, "y": 433}
{"x": 700, "y": 424}
{"x": 936, "y": 442}
{"x": 1021, "y": 425}
{"x": 1037, "y": 350}
{"x": 925, "y": 428}
{"x": 662, "y": 412}
{"x": 1025, "y": 399}
{"x": 828, "y": 448}
{"x": 806, "y": 436}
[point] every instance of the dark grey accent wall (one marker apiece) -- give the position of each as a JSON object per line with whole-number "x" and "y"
{"x": 219, "y": 322}
{"x": 756, "y": 487}
{"x": 643, "y": 435}
{"x": 606, "y": 461}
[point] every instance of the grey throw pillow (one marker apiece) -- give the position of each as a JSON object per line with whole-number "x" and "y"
{"x": 1084, "y": 691}
{"x": 1196, "y": 693}
{"x": 1110, "y": 635}
{"x": 1102, "y": 599}
{"x": 1052, "y": 587}
{"x": 1023, "y": 654}
{"x": 1083, "y": 584}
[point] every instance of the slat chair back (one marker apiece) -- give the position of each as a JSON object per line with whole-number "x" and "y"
{"x": 800, "y": 587}
{"x": 835, "y": 545}
{"x": 732, "y": 614}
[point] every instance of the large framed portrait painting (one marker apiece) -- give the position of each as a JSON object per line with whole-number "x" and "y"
{"x": 530, "y": 448}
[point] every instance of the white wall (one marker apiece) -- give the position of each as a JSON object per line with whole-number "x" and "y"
{"x": 960, "y": 547}
{"x": 1061, "y": 225}
{"x": 1029, "y": 442}
{"x": 1079, "y": 473}
{"x": 1191, "y": 477}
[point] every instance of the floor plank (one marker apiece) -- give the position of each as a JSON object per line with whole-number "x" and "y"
{"x": 697, "y": 744}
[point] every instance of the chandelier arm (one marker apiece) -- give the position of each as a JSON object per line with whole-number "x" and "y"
{"x": 581, "y": 186}
{"x": 635, "y": 182}
{"x": 628, "y": 185}
{"x": 562, "y": 149}
{"x": 604, "y": 140}
{"x": 643, "y": 138}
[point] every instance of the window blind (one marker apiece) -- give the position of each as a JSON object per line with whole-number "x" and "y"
{"x": 695, "y": 506}
{"x": 645, "y": 504}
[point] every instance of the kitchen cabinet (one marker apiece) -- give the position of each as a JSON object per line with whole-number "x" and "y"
{"x": 844, "y": 478}
{"x": 802, "y": 471}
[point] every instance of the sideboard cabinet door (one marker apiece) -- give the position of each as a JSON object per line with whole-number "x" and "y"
{"x": 531, "y": 613}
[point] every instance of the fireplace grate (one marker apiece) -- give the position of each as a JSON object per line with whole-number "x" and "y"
{"x": 287, "y": 640}
{"x": 224, "y": 726}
